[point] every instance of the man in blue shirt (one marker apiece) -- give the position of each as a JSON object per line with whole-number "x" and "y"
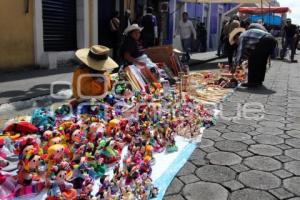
{"x": 254, "y": 45}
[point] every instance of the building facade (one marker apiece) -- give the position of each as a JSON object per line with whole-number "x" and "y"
{"x": 211, "y": 15}
{"x": 46, "y": 33}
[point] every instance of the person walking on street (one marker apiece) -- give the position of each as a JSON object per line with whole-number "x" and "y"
{"x": 116, "y": 36}
{"x": 202, "y": 36}
{"x": 229, "y": 27}
{"x": 186, "y": 30}
{"x": 254, "y": 45}
{"x": 222, "y": 40}
{"x": 288, "y": 39}
{"x": 150, "y": 32}
{"x": 297, "y": 39}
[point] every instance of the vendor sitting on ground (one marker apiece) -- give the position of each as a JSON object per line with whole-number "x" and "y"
{"x": 132, "y": 48}
{"x": 91, "y": 78}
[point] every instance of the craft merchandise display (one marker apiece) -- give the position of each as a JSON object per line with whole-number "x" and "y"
{"x": 128, "y": 145}
{"x": 212, "y": 87}
{"x": 101, "y": 149}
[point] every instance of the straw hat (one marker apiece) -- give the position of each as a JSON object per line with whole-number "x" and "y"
{"x": 234, "y": 33}
{"x": 96, "y": 58}
{"x": 132, "y": 28}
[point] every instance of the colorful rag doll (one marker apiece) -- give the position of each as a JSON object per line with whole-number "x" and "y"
{"x": 60, "y": 188}
{"x": 98, "y": 164}
{"x": 113, "y": 127}
{"x": 148, "y": 157}
{"x": 51, "y": 138}
{"x": 96, "y": 130}
{"x": 67, "y": 128}
{"x": 87, "y": 188}
{"x": 55, "y": 155}
{"x": 30, "y": 168}
{"x": 80, "y": 172}
{"x": 79, "y": 141}
{"x": 43, "y": 118}
{"x": 7, "y": 184}
{"x": 108, "y": 152}
{"x": 30, "y": 157}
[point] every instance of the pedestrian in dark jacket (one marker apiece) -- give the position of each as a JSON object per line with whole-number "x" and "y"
{"x": 288, "y": 39}
{"x": 222, "y": 40}
{"x": 150, "y": 31}
{"x": 116, "y": 36}
{"x": 228, "y": 28}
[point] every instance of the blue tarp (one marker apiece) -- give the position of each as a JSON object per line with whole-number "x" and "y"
{"x": 270, "y": 19}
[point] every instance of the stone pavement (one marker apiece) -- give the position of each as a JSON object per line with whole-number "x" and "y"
{"x": 242, "y": 159}
{"x": 200, "y": 58}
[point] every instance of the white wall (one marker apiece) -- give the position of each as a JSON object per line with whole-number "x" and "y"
{"x": 52, "y": 59}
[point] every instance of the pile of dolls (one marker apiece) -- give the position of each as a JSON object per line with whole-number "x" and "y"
{"x": 68, "y": 152}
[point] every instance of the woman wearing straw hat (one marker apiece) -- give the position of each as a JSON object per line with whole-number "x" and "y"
{"x": 91, "y": 78}
{"x": 256, "y": 46}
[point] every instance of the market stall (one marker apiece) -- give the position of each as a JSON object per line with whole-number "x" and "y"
{"x": 129, "y": 144}
{"x": 269, "y": 15}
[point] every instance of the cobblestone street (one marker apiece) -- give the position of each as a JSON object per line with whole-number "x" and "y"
{"x": 243, "y": 159}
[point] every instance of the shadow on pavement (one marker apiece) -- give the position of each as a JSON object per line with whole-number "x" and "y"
{"x": 260, "y": 90}
{"x": 207, "y": 66}
{"x": 35, "y": 91}
{"x": 32, "y": 73}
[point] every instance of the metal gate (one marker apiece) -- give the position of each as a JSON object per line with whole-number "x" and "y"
{"x": 59, "y": 25}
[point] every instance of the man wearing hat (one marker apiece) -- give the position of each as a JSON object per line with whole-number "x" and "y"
{"x": 288, "y": 39}
{"x": 256, "y": 46}
{"x": 229, "y": 49}
{"x": 91, "y": 78}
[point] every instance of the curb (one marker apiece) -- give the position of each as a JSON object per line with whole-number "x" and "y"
{"x": 198, "y": 62}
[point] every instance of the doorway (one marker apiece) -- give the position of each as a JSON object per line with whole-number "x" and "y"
{"x": 106, "y": 10}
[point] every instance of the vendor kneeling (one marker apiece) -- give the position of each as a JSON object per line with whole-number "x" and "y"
{"x": 91, "y": 78}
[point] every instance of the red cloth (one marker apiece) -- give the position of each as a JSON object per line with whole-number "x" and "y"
{"x": 254, "y": 10}
{"x": 23, "y": 128}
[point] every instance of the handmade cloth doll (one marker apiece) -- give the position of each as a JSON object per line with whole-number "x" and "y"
{"x": 7, "y": 184}
{"x": 29, "y": 151}
{"x": 60, "y": 188}
{"x": 30, "y": 166}
{"x": 43, "y": 119}
{"x": 55, "y": 155}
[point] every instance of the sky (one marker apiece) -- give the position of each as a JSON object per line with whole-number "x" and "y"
{"x": 294, "y": 6}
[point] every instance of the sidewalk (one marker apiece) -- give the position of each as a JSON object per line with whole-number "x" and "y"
{"x": 244, "y": 159}
{"x": 24, "y": 85}
{"x": 201, "y": 58}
